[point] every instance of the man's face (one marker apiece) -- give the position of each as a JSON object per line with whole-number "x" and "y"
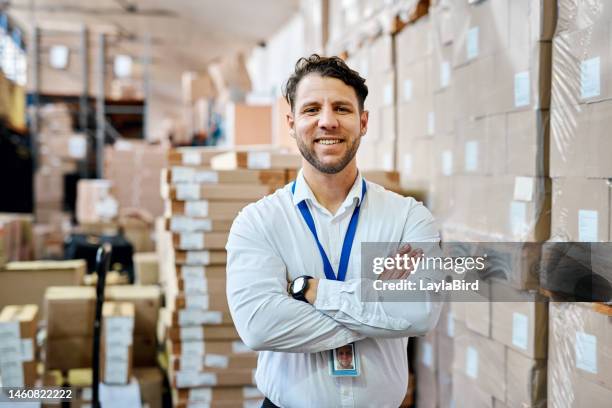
{"x": 345, "y": 358}
{"x": 327, "y": 123}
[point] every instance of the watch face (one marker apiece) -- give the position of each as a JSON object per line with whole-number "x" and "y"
{"x": 298, "y": 285}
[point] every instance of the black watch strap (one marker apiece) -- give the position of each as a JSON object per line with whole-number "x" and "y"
{"x": 300, "y": 295}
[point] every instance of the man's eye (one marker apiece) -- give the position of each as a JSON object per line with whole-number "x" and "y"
{"x": 341, "y": 109}
{"x": 310, "y": 110}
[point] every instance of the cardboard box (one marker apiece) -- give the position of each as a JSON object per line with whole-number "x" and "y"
{"x": 200, "y": 285}
{"x": 18, "y": 326}
{"x": 526, "y": 380}
{"x": 200, "y": 240}
{"x": 211, "y": 377}
{"x": 581, "y": 209}
{"x": 95, "y": 201}
{"x": 248, "y": 124}
{"x": 467, "y": 394}
{"x": 197, "y": 348}
{"x": 579, "y": 344}
{"x": 426, "y": 370}
{"x": 180, "y": 223}
{"x": 195, "y": 317}
{"x": 579, "y": 140}
{"x": 576, "y": 15}
{"x": 214, "y": 210}
{"x": 481, "y": 361}
{"x": 76, "y": 352}
{"x": 203, "y": 332}
{"x": 208, "y": 361}
{"x": 146, "y": 300}
{"x": 146, "y": 267}
{"x": 213, "y": 302}
{"x": 520, "y": 320}
{"x": 581, "y": 69}
{"x": 217, "y": 394}
{"x": 150, "y": 380}
{"x": 65, "y": 305}
{"x": 527, "y": 143}
{"x": 193, "y": 156}
{"x": 184, "y": 174}
{"x": 256, "y": 160}
{"x": 225, "y": 192}
{"x": 197, "y": 85}
{"x": 116, "y": 342}
{"x": 200, "y": 258}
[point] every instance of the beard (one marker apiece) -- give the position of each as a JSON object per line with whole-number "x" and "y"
{"x": 311, "y": 157}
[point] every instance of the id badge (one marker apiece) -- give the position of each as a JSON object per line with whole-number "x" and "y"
{"x": 344, "y": 361}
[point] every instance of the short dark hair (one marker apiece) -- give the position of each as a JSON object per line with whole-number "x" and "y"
{"x": 333, "y": 67}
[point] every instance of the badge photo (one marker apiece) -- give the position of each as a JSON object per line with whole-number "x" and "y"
{"x": 344, "y": 361}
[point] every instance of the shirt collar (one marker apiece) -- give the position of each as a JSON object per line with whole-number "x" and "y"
{"x": 303, "y": 191}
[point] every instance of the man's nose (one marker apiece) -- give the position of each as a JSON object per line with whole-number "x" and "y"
{"x": 327, "y": 119}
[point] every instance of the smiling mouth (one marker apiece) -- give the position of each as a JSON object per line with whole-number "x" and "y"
{"x": 328, "y": 142}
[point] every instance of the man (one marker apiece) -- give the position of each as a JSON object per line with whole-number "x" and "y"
{"x": 345, "y": 358}
{"x": 303, "y": 235}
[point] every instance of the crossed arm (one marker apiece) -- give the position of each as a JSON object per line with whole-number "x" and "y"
{"x": 268, "y": 319}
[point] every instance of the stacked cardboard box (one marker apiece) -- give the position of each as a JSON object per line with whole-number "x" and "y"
{"x": 95, "y": 201}
{"x": 374, "y": 62}
{"x": 133, "y": 168}
{"x": 16, "y": 238}
{"x": 581, "y": 114}
{"x": 580, "y": 365}
{"x": 66, "y": 305}
{"x": 18, "y": 360}
{"x": 116, "y": 343}
{"x": 60, "y": 150}
{"x": 26, "y": 282}
{"x": 208, "y": 363}
{"x": 500, "y": 349}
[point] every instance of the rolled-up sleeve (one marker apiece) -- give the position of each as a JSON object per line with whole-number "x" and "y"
{"x": 266, "y": 317}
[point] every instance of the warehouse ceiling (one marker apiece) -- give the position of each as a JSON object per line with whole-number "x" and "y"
{"x": 190, "y": 33}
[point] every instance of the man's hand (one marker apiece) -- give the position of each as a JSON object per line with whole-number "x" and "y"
{"x": 392, "y": 274}
{"x": 311, "y": 291}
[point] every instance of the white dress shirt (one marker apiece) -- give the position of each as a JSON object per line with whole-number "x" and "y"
{"x": 270, "y": 245}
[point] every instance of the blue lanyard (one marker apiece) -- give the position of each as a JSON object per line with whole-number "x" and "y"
{"x": 348, "y": 238}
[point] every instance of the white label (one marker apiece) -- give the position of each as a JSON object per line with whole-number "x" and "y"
{"x": 182, "y": 174}
{"x": 522, "y": 89}
{"x": 191, "y": 333}
{"x": 186, "y": 378}
{"x": 216, "y": 360}
{"x": 198, "y": 258}
{"x": 520, "y": 330}
{"x": 388, "y": 94}
{"x": 472, "y": 43}
{"x": 192, "y": 158}
{"x": 191, "y": 240}
{"x": 9, "y": 332}
{"x": 240, "y": 347}
{"x": 471, "y": 155}
{"x": 387, "y": 162}
{"x": 77, "y": 147}
{"x": 122, "y": 145}
{"x": 188, "y": 192}
{"x": 450, "y": 325}
{"x": 252, "y": 404}
{"x": 518, "y": 219}
{"x": 431, "y": 123}
{"x": 192, "y": 272}
{"x": 586, "y": 352}
{"x": 200, "y": 394}
{"x": 408, "y": 164}
{"x": 259, "y": 160}
{"x": 407, "y": 88}
{"x": 524, "y": 188}
{"x": 12, "y": 373}
{"x": 115, "y": 371}
{"x": 207, "y": 379}
{"x": 587, "y": 226}
{"x": 197, "y": 301}
{"x": 196, "y": 208}
{"x": 201, "y": 225}
{"x": 87, "y": 393}
{"x": 427, "y": 358}
{"x": 188, "y": 317}
{"x": 193, "y": 348}
{"x": 180, "y": 224}
{"x": 206, "y": 177}
{"x": 211, "y": 317}
{"x": 471, "y": 362}
{"x": 251, "y": 392}
{"x": 119, "y": 329}
{"x": 444, "y": 74}
{"x": 27, "y": 349}
{"x": 590, "y": 78}
{"x": 193, "y": 286}
{"x": 189, "y": 363}
{"x": 447, "y": 162}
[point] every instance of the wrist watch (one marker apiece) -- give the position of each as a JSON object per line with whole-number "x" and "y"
{"x": 298, "y": 287}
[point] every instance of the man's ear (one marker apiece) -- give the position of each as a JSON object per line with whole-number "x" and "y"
{"x": 363, "y": 122}
{"x": 291, "y": 124}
